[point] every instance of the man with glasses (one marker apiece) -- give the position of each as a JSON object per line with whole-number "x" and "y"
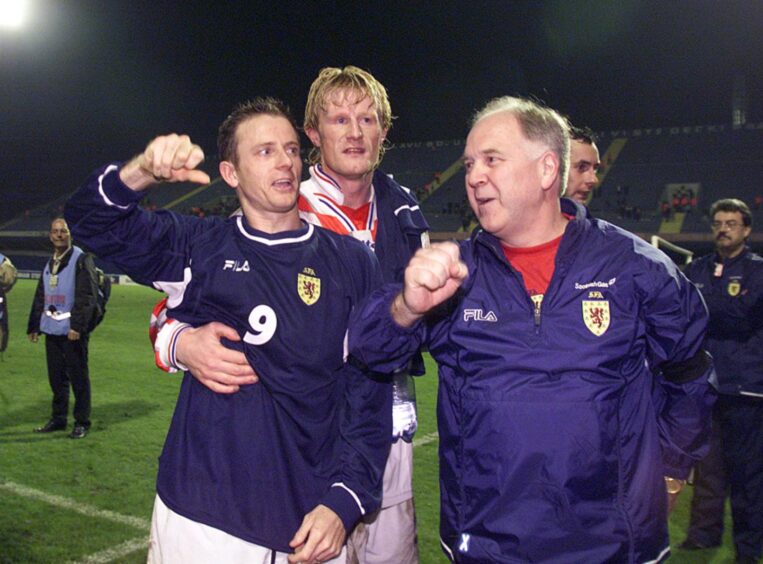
{"x": 731, "y": 281}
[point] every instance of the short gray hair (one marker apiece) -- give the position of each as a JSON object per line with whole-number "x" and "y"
{"x": 539, "y": 123}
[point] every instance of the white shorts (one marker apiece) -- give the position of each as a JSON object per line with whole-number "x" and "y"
{"x": 389, "y": 535}
{"x": 176, "y": 539}
{"x": 398, "y": 474}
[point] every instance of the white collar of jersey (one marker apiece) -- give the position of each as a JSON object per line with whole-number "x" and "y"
{"x": 272, "y": 239}
{"x": 326, "y": 185}
{"x": 323, "y": 194}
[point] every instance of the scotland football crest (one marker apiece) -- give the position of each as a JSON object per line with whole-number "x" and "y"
{"x": 596, "y": 316}
{"x": 308, "y": 286}
{"x": 734, "y": 288}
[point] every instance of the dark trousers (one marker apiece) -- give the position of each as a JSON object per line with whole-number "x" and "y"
{"x": 67, "y": 365}
{"x": 734, "y": 466}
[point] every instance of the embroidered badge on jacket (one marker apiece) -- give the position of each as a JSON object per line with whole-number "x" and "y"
{"x": 596, "y": 316}
{"x": 734, "y": 288}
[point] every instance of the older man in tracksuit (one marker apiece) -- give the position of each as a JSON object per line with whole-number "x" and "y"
{"x": 547, "y": 326}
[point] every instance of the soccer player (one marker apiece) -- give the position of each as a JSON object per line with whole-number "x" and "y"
{"x": 542, "y": 324}
{"x": 283, "y": 469}
{"x": 347, "y": 118}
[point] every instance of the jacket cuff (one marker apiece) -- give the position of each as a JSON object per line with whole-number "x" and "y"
{"x": 113, "y": 190}
{"x": 393, "y": 337}
{"x": 389, "y": 321}
{"x": 345, "y": 503}
{"x": 677, "y": 466}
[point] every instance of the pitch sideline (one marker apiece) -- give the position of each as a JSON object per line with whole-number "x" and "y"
{"x": 83, "y": 508}
{"x": 118, "y": 551}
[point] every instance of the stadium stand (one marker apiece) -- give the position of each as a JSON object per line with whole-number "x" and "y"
{"x": 642, "y": 169}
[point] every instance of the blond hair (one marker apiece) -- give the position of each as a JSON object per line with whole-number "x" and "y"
{"x": 350, "y": 78}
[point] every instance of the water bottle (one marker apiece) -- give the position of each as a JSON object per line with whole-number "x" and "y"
{"x": 404, "y": 422}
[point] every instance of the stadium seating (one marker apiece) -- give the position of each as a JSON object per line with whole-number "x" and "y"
{"x": 722, "y": 161}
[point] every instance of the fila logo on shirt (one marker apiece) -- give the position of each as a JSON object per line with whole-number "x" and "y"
{"x": 236, "y": 266}
{"x": 479, "y": 315}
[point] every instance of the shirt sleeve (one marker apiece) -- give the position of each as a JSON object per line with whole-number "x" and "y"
{"x": 151, "y": 247}
{"x": 684, "y": 388}
{"x": 365, "y": 427}
{"x": 376, "y": 341}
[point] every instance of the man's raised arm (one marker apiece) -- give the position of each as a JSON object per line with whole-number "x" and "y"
{"x": 386, "y": 331}
{"x": 104, "y": 216}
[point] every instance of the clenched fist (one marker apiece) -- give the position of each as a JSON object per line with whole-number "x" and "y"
{"x": 168, "y": 158}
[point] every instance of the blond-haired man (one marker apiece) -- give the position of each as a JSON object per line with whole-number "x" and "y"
{"x": 347, "y": 118}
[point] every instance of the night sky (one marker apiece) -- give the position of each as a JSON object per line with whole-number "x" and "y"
{"x": 87, "y": 82}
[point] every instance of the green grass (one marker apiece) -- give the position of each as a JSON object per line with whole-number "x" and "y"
{"x": 114, "y": 468}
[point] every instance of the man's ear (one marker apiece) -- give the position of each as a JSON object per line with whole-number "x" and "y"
{"x": 549, "y": 169}
{"x": 313, "y": 136}
{"x": 228, "y": 172}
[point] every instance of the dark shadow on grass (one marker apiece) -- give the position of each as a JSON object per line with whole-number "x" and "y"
{"x": 32, "y": 415}
{"x": 704, "y": 556}
{"x": 22, "y": 437}
{"x": 103, "y": 417}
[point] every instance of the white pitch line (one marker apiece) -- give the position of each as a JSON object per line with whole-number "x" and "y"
{"x": 118, "y": 551}
{"x": 426, "y": 439}
{"x": 127, "y": 547}
{"x": 82, "y": 508}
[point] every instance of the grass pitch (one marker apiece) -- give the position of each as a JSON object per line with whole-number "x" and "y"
{"x": 90, "y": 500}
